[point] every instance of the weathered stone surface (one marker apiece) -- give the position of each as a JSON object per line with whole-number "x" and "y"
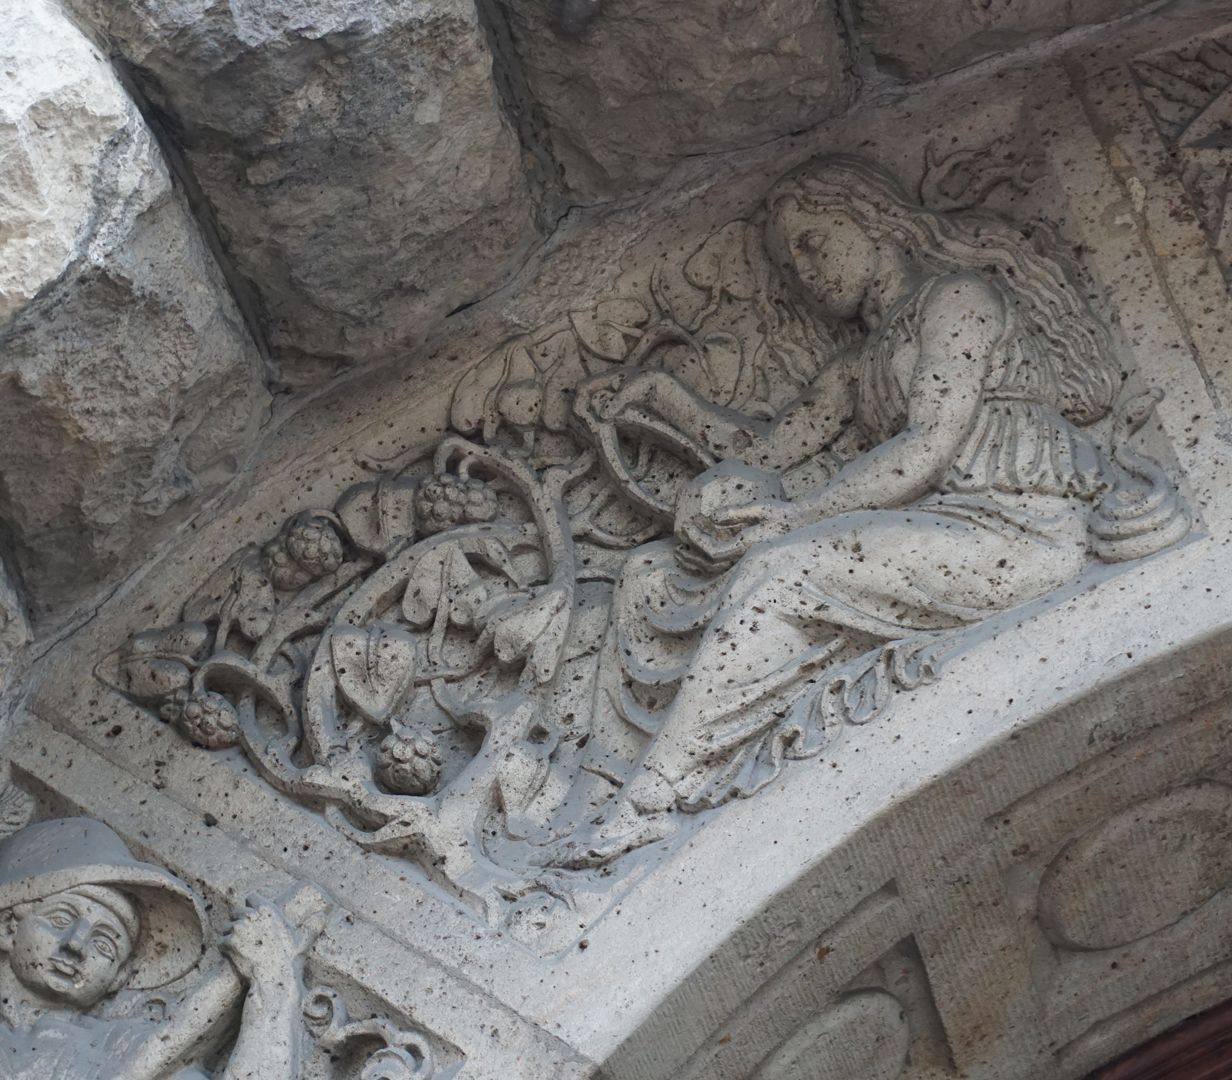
{"x": 619, "y": 98}
{"x": 128, "y": 383}
{"x": 361, "y": 171}
{"x": 918, "y": 39}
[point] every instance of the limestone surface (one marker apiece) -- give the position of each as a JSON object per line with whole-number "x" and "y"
{"x": 129, "y": 385}
{"x": 349, "y": 151}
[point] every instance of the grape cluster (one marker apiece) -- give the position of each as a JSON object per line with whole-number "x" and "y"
{"x": 205, "y": 718}
{"x": 446, "y": 500}
{"x": 308, "y": 548}
{"x": 408, "y": 764}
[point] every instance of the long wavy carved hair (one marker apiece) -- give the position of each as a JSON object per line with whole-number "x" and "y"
{"x": 1043, "y": 285}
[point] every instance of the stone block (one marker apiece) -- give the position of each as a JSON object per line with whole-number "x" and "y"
{"x": 618, "y": 98}
{"x": 348, "y": 151}
{"x": 129, "y": 385}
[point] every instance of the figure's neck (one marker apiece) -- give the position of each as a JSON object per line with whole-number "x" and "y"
{"x": 20, "y": 1007}
{"x": 896, "y": 278}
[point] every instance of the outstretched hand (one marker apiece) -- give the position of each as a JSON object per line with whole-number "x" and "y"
{"x": 262, "y": 940}
{"x": 716, "y": 543}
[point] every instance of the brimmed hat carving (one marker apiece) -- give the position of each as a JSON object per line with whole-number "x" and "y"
{"x": 51, "y": 857}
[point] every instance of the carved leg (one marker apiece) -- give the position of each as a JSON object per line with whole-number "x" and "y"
{"x": 738, "y": 664}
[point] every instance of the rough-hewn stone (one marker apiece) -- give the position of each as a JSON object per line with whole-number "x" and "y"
{"x": 128, "y": 382}
{"x": 617, "y": 99}
{"x": 361, "y": 171}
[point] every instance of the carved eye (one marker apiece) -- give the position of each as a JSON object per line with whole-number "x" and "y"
{"x": 60, "y": 919}
{"x": 809, "y": 243}
{"x": 105, "y": 947}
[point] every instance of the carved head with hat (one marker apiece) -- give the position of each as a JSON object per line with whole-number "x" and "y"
{"x": 81, "y": 918}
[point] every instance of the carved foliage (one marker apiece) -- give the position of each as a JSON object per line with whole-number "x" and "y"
{"x": 372, "y": 1049}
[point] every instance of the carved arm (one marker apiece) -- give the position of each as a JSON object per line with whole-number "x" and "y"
{"x": 203, "y": 1015}
{"x": 269, "y": 1043}
{"x": 267, "y": 944}
{"x": 960, "y": 327}
{"x": 723, "y": 432}
{"x": 804, "y": 429}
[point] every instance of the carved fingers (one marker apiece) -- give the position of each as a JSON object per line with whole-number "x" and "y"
{"x": 763, "y": 520}
{"x": 715, "y": 542}
{"x": 262, "y": 941}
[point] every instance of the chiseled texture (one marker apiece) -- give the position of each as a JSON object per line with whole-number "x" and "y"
{"x": 362, "y": 173}
{"x": 129, "y": 386}
{"x": 919, "y": 38}
{"x": 618, "y": 92}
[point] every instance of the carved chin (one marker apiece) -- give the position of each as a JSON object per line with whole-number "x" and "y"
{"x": 53, "y": 983}
{"x": 56, "y": 980}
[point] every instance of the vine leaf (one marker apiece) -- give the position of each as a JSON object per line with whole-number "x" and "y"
{"x": 495, "y": 554}
{"x": 149, "y": 679}
{"x": 534, "y": 631}
{"x": 154, "y": 664}
{"x": 443, "y": 578}
{"x": 379, "y": 514}
{"x": 608, "y": 328}
{"x": 237, "y": 590}
{"x": 374, "y": 666}
{"x": 474, "y": 398}
{"x": 16, "y": 809}
{"x": 254, "y": 599}
{"x": 206, "y": 604}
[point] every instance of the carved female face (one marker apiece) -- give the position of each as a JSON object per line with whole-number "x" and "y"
{"x": 831, "y": 256}
{"x": 71, "y": 948}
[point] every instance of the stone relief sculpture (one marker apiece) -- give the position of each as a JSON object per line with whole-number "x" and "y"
{"x": 83, "y": 922}
{"x": 676, "y": 541}
{"x": 403, "y": 1054}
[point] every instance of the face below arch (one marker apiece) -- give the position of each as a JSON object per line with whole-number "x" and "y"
{"x": 71, "y": 948}
{"x": 830, "y": 255}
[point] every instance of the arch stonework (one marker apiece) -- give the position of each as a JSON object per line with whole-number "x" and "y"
{"x": 962, "y": 804}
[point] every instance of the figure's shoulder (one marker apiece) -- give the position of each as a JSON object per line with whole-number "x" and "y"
{"x": 964, "y": 296}
{"x": 965, "y": 287}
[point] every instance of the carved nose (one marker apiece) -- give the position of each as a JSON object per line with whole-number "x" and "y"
{"x": 75, "y": 943}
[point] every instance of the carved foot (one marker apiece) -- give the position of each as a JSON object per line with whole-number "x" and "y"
{"x": 624, "y": 830}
